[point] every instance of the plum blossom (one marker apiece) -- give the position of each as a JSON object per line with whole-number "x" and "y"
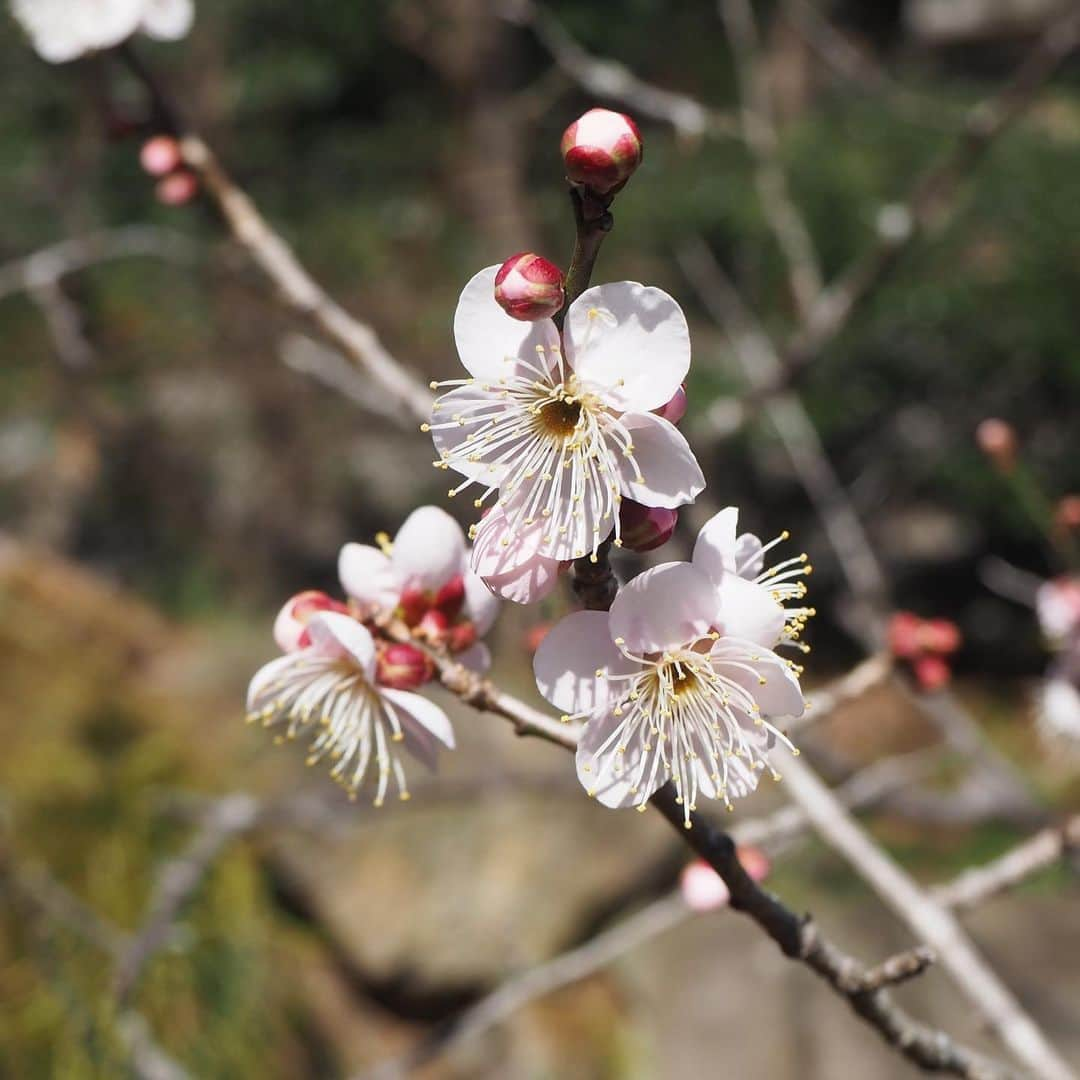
{"x": 328, "y": 689}
{"x": 422, "y": 576}
{"x": 679, "y": 682}
{"x": 562, "y": 430}
{"x": 1057, "y": 605}
{"x": 63, "y": 30}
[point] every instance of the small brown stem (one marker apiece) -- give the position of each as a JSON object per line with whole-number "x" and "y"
{"x": 593, "y": 221}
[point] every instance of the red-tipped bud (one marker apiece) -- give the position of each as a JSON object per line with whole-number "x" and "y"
{"x": 534, "y": 635}
{"x": 931, "y": 672}
{"x": 702, "y": 887}
{"x": 177, "y": 188}
{"x": 642, "y": 528}
{"x": 403, "y": 667}
{"x": 413, "y": 604}
{"x": 160, "y": 155}
{"x": 290, "y": 626}
{"x": 451, "y": 598}
{"x": 940, "y": 636}
{"x": 433, "y": 627}
{"x": 675, "y": 409}
{"x": 601, "y": 149}
{"x": 997, "y": 440}
{"x": 461, "y": 636}
{"x": 528, "y": 287}
{"x": 904, "y": 635}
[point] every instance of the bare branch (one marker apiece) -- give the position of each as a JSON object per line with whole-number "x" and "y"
{"x": 1042, "y": 850}
{"x": 759, "y": 132}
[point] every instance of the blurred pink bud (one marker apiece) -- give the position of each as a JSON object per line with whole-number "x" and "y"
{"x": 1057, "y": 605}
{"x": 433, "y": 627}
{"x": 931, "y": 672}
{"x": 997, "y": 440}
{"x": 535, "y": 634}
{"x": 461, "y": 636}
{"x": 160, "y": 155}
{"x": 403, "y": 667}
{"x": 413, "y": 604}
{"x": 177, "y": 188}
{"x": 643, "y": 528}
{"x": 704, "y": 890}
{"x": 528, "y": 287}
{"x": 290, "y": 626}
{"x": 675, "y": 409}
{"x": 904, "y": 639}
{"x": 1067, "y": 512}
{"x": 451, "y": 597}
{"x": 940, "y": 636}
{"x": 601, "y": 149}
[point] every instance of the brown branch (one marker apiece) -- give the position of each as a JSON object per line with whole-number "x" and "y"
{"x": 1044, "y": 849}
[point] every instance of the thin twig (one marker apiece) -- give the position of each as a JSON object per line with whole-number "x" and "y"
{"x": 1044, "y": 849}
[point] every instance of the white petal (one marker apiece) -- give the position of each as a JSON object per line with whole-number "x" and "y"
{"x": 609, "y": 777}
{"x": 665, "y": 607}
{"x": 337, "y": 635}
{"x": 670, "y": 474}
{"x": 426, "y": 714}
{"x": 452, "y": 437}
{"x": 62, "y": 30}
{"x": 486, "y": 335}
{"x": 516, "y": 571}
{"x": 262, "y": 682}
{"x": 567, "y": 661}
{"x": 429, "y": 550}
{"x": 715, "y": 547}
{"x": 631, "y": 339}
{"x": 481, "y": 604}
{"x": 167, "y": 20}
{"x": 779, "y": 695}
{"x": 367, "y": 575}
{"x": 749, "y": 556}
{"x": 748, "y": 611}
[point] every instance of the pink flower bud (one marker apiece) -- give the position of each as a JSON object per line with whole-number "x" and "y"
{"x": 675, "y": 409}
{"x": 177, "y": 188}
{"x": 403, "y": 667}
{"x": 535, "y": 634}
{"x": 643, "y": 528}
{"x": 601, "y": 149}
{"x": 704, "y": 890}
{"x": 413, "y": 604}
{"x": 1067, "y": 513}
{"x": 528, "y": 287}
{"x": 433, "y": 627}
{"x": 451, "y": 597}
{"x": 931, "y": 672}
{"x": 904, "y": 629}
{"x": 290, "y": 626}
{"x": 160, "y": 155}
{"x": 997, "y": 440}
{"x": 940, "y": 636}
{"x": 461, "y": 636}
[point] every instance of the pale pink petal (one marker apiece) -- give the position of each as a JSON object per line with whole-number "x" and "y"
{"x": 746, "y": 665}
{"x": 341, "y": 636}
{"x": 263, "y": 682}
{"x": 421, "y": 712}
{"x": 715, "y": 547}
{"x": 667, "y": 606}
{"x": 455, "y": 433}
{"x": 529, "y": 582}
{"x": 429, "y": 550}
{"x": 476, "y": 658}
{"x": 167, "y": 20}
{"x": 630, "y": 339}
{"x": 515, "y": 570}
{"x": 667, "y": 473}
{"x": 367, "y": 575}
{"x": 747, "y": 610}
{"x": 608, "y": 775}
{"x": 481, "y": 604}
{"x": 702, "y": 887}
{"x": 749, "y": 556}
{"x": 568, "y": 659}
{"x": 486, "y": 335}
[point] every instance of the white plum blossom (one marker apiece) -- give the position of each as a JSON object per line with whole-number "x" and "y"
{"x": 423, "y": 577}
{"x": 677, "y": 682}
{"x": 328, "y": 690}
{"x": 63, "y": 30}
{"x": 563, "y": 429}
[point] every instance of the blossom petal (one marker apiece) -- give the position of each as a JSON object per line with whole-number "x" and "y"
{"x": 609, "y": 775}
{"x": 667, "y": 606}
{"x": 486, "y": 335}
{"x": 667, "y": 473}
{"x": 630, "y": 339}
{"x": 341, "y": 636}
{"x": 765, "y": 676}
{"x": 264, "y": 680}
{"x": 749, "y": 556}
{"x": 457, "y": 439}
{"x": 748, "y": 611}
{"x": 429, "y": 550}
{"x": 715, "y": 547}
{"x": 568, "y": 659}
{"x": 422, "y": 713}
{"x": 515, "y": 571}
{"x": 367, "y": 575}
{"x": 481, "y": 604}
{"x": 167, "y": 20}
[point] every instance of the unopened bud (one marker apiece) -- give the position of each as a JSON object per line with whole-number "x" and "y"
{"x": 601, "y": 149}
{"x": 904, "y": 635}
{"x": 528, "y": 287}
{"x": 675, "y": 409}
{"x": 997, "y": 440}
{"x": 177, "y": 188}
{"x": 451, "y": 597}
{"x": 433, "y": 627}
{"x": 290, "y": 626}
{"x": 940, "y": 636}
{"x": 704, "y": 890}
{"x": 160, "y": 155}
{"x": 461, "y": 636}
{"x": 413, "y": 604}
{"x": 1067, "y": 513}
{"x": 534, "y": 635}
{"x": 643, "y": 528}
{"x": 931, "y": 672}
{"x": 403, "y": 667}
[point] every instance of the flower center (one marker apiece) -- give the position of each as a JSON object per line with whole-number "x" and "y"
{"x": 683, "y": 681}
{"x": 560, "y": 417}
